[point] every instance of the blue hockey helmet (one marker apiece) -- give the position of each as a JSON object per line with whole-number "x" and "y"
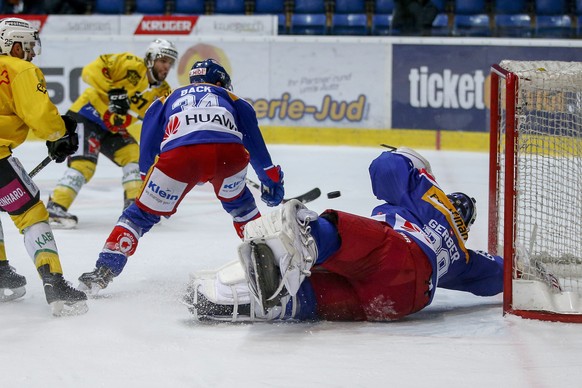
{"x": 465, "y": 205}
{"x": 210, "y": 71}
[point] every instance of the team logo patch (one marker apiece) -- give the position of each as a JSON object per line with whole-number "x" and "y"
{"x": 172, "y": 127}
{"x": 4, "y": 77}
{"x": 105, "y": 72}
{"x": 198, "y": 71}
{"x": 133, "y": 77}
{"x": 41, "y": 88}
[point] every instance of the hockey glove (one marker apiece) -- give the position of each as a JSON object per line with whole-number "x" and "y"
{"x": 59, "y": 149}
{"x": 118, "y": 101}
{"x": 272, "y": 186}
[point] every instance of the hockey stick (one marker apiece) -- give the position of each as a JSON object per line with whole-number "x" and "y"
{"x": 309, "y": 196}
{"x": 45, "y": 162}
{"x": 135, "y": 114}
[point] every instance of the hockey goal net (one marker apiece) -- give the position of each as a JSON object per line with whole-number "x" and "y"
{"x": 535, "y": 191}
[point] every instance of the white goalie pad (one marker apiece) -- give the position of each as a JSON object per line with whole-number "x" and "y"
{"x": 225, "y": 285}
{"x": 288, "y": 234}
{"x": 223, "y": 295}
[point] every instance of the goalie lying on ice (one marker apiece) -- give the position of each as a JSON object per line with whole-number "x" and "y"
{"x": 297, "y": 265}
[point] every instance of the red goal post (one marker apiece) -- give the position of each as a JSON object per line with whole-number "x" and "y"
{"x": 535, "y": 186}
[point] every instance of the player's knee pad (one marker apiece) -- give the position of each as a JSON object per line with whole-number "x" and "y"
{"x": 35, "y": 214}
{"x": 288, "y": 234}
{"x": 41, "y": 246}
{"x": 84, "y": 166}
{"x": 131, "y": 180}
{"x": 127, "y": 154}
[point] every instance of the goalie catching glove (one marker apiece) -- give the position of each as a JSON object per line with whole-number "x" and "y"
{"x": 67, "y": 145}
{"x": 278, "y": 252}
{"x": 272, "y": 190}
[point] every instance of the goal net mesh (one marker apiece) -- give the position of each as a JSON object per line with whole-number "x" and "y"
{"x": 548, "y": 171}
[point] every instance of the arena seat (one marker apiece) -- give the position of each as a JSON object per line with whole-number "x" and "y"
{"x": 308, "y": 24}
{"x": 112, "y": 7}
{"x": 553, "y": 26}
{"x": 440, "y": 25}
{"x": 513, "y": 25}
{"x": 349, "y": 24}
{"x": 273, "y": 7}
{"x": 230, "y": 7}
{"x": 190, "y": 7}
{"x": 381, "y": 24}
{"x": 150, "y": 6}
{"x": 471, "y": 25}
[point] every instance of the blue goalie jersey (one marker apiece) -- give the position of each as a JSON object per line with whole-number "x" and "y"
{"x": 417, "y": 208}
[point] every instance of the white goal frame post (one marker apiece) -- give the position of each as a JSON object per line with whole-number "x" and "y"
{"x": 535, "y": 186}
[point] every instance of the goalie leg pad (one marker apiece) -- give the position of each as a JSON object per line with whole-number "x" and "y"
{"x": 287, "y": 234}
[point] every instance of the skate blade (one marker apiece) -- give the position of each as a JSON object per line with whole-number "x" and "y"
{"x": 61, "y": 308}
{"x": 92, "y": 291}
{"x": 8, "y": 294}
{"x": 62, "y": 223}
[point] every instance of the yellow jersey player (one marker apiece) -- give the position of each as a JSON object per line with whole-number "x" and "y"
{"x": 121, "y": 87}
{"x": 24, "y": 106}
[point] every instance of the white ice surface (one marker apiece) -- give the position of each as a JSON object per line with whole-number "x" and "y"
{"x": 137, "y": 334}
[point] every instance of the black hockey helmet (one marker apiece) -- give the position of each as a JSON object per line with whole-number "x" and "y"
{"x": 465, "y": 205}
{"x": 210, "y": 71}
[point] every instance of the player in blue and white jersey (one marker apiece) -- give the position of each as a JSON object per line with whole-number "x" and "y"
{"x": 340, "y": 266}
{"x": 201, "y": 132}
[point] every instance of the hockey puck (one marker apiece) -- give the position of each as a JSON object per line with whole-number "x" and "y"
{"x": 333, "y": 194}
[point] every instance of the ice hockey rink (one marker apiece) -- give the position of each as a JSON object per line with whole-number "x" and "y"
{"x": 137, "y": 334}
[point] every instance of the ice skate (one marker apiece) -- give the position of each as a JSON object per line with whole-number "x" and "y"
{"x": 59, "y": 218}
{"x": 96, "y": 280}
{"x": 63, "y": 299}
{"x": 11, "y": 283}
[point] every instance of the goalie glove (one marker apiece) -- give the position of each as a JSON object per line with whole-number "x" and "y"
{"x": 67, "y": 145}
{"x": 272, "y": 190}
{"x": 118, "y": 101}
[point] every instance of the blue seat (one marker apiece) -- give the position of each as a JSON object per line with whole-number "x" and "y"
{"x": 440, "y": 25}
{"x": 513, "y": 7}
{"x": 193, "y": 7}
{"x": 308, "y": 24}
{"x": 309, "y": 6}
{"x": 381, "y": 24}
{"x": 150, "y": 6}
{"x": 440, "y": 5}
{"x": 513, "y": 25}
{"x": 551, "y": 7}
{"x": 271, "y": 7}
{"x": 113, "y": 7}
{"x": 230, "y": 7}
{"x": 470, "y": 7}
{"x": 350, "y": 6}
{"x": 471, "y": 25}
{"x": 578, "y": 13}
{"x": 383, "y": 7}
{"x": 349, "y": 24}
{"x": 553, "y": 26}
{"x": 382, "y": 18}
